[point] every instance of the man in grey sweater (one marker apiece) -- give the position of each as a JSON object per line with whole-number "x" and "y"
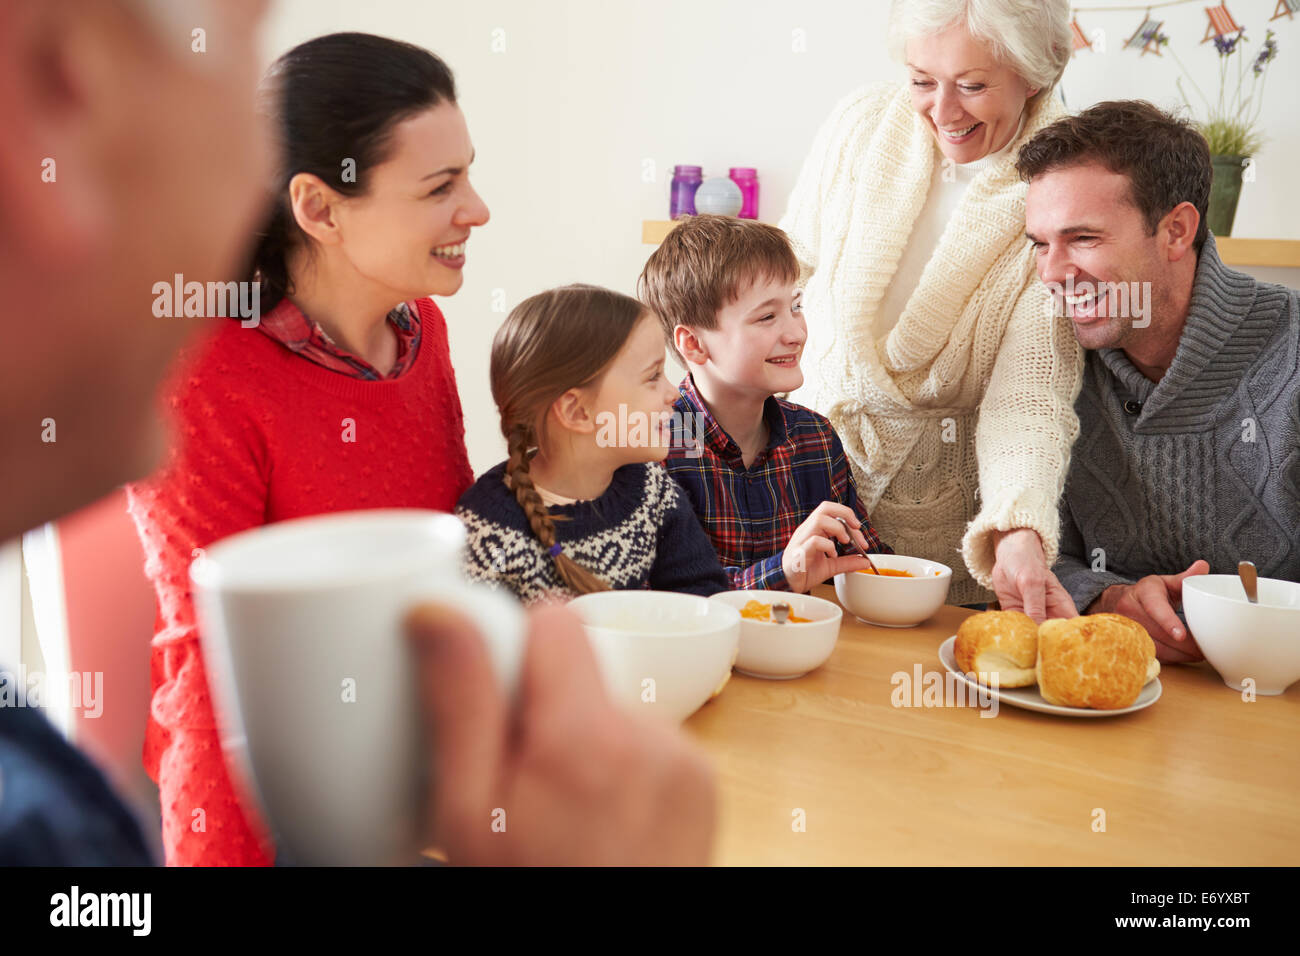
{"x": 1188, "y": 457}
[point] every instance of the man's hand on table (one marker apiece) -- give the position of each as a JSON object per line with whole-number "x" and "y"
{"x": 1152, "y": 602}
{"x": 1022, "y": 579}
{"x": 581, "y": 782}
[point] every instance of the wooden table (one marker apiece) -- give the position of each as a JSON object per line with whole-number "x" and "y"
{"x": 1199, "y": 778}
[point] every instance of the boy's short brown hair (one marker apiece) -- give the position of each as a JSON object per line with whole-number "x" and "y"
{"x": 706, "y": 263}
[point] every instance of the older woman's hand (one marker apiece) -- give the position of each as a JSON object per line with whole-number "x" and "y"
{"x": 1022, "y": 580}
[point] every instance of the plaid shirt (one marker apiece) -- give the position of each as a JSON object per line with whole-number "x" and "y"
{"x": 750, "y": 513}
{"x": 288, "y": 326}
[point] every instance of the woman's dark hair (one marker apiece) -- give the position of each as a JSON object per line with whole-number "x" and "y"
{"x": 333, "y": 102}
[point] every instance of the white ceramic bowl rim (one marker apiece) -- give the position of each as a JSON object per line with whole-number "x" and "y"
{"x": 907, "y": 564}
{"x": 707, "y": 617}
{"x": 830, "y": 609}
{"x": 1274, "y": 594}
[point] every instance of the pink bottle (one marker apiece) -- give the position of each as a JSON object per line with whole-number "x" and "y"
{"x": 746, "y": 177}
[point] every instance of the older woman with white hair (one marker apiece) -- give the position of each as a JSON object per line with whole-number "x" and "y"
{"x": 933, "y": 348}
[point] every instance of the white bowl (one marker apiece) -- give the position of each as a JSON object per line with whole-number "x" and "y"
{"x": 660, "y": 652}
{"x": 895, "y": 602}
{"x": 1243, "y": 640}
{"x": 784, "y": 651}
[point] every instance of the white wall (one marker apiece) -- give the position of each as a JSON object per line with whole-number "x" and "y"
{"x": 1270, "y": 206}
{"x": 586, "y": 92}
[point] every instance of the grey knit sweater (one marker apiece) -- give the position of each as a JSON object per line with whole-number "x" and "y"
{"x": 1203, "y": 464}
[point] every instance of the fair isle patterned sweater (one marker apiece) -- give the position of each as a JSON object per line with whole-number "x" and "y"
{"x": 641, "y": 533}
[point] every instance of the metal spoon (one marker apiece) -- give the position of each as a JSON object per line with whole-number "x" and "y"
{"x": 780, "y": 612}
{"x": 1246, "y": 570}
{"x": 856, "y": 547}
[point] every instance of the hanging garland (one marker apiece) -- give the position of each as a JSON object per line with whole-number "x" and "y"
{"x": 1222, "y": 28}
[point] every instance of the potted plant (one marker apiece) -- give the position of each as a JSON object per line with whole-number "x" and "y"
{"x": 1230, "y": 125}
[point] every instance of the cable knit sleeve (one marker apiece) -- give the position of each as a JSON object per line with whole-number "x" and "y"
{"x": 212, "y": 484}
{"x": 1026, "y": 427}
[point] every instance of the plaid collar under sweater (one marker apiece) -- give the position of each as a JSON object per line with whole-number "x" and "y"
{"x": 287, "y": 325}
{"x": 750, "y": 513}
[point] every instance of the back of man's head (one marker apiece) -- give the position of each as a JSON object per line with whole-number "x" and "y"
{"x": 131, "y": 154}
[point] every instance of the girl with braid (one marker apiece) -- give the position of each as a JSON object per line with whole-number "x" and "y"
{"x": 583, "y": 502}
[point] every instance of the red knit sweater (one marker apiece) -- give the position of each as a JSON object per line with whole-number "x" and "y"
{"x": 260, "y": 435}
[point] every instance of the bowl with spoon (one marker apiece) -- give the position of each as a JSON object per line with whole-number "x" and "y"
{"x": 1247, "y": 627}
{"x": 782, "y": 635}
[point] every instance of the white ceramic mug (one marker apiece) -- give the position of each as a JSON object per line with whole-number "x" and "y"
{"x": 313, "y": 677}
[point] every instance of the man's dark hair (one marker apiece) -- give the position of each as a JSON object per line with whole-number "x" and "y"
{"x": 1165, "y": 159}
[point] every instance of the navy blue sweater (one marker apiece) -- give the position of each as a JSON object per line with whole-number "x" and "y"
{"x": 56, "y": 809}
{"x": 641, "y": 533}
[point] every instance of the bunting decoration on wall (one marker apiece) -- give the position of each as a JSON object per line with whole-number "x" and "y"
{"x": 1220, "y": 25}
{"x": 1148, "y": 37}
{"x": 1081, "y": 42}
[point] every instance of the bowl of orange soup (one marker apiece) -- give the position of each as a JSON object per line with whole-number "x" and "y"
{"x": 906, "y": 592}
{"x": 782, "y": 651}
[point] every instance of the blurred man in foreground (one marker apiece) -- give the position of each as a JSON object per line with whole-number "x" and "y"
{"x": 131, "y": 155}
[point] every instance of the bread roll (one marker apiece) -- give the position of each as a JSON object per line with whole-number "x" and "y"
{"x": 1004, "y": 643}
{"x": 1100, "y": 661}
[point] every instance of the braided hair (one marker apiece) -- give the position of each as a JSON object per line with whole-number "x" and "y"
{"x": 551, "y": 342}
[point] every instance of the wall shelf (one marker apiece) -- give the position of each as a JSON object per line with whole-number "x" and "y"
{"x": 654, "y": 230}
{"x": 1278, "y": 253}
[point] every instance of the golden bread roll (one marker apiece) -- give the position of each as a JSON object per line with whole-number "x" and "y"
{"x": 1004, "y": 643}
{"x": 1101, "y": 661}
{"x": 1153, "y": 667}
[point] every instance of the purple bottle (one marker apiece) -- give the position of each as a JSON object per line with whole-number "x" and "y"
{"x": 686, "y": 179}
{"x": 746, "y": 177}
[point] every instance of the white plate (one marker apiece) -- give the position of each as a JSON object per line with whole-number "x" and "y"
{"x": 1030, "y": 699}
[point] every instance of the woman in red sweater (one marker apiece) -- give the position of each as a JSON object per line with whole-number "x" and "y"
{"x": 341, "y": 397}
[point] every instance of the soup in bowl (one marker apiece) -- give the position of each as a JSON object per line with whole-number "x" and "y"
{"x": 906, "y": 592}
{"x": 783, "y": 651}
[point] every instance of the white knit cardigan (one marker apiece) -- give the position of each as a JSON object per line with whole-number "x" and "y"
{"x": 959, "y": 422}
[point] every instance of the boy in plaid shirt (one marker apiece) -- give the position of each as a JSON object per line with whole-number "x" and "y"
{"x": 767, "y": 478}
